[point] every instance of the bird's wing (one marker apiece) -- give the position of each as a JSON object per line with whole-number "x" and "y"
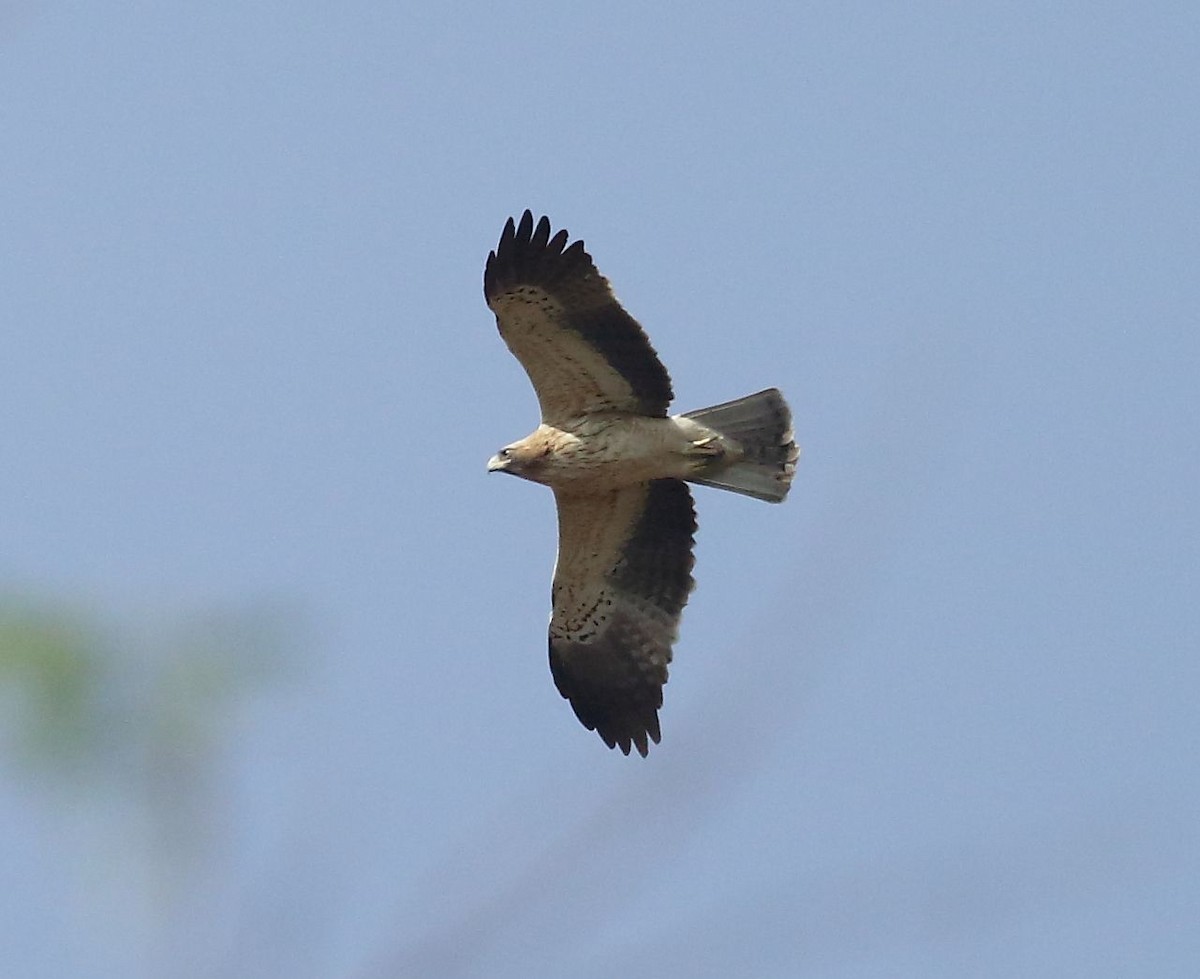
{"x": 623, "y": 575}
{"x": 559, "y": 317}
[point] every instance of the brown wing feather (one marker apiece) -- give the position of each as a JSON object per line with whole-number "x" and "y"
{"x": 559, "y": 317}
{"x": 620, "y": 585}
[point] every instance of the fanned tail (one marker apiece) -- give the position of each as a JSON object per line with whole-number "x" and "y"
{"x": 761, "y": 426}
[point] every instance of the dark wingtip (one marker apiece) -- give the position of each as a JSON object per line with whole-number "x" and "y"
{"x": 628, "y": 732}
{"x": 527, "y": 252}
{"x": 525, "y": 228}
{"x": 492, "y": 267}
{"x": 626, "y": 726}
{"x": 508, "y": 234}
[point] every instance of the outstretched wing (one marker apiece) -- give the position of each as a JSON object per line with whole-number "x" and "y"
{"x": 623, "y": 575}
{"x": 559, "y": 317}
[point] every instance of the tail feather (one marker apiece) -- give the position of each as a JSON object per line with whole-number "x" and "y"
{"x": 761, "y": 427}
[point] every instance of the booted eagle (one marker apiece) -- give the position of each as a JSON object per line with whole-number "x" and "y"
{"x": 618, "y": 466}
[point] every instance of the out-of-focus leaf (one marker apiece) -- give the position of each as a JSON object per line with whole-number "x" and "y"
{"x": 51, "y": 675}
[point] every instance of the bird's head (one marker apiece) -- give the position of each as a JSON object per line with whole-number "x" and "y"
{"x": 522, "y": 458}
{"x": 503, "y": 461}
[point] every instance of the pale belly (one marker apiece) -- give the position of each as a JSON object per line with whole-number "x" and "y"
{"x": 606, "y": 454}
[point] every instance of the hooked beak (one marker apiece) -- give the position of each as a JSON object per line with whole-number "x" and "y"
{"x": 497, "y": 464}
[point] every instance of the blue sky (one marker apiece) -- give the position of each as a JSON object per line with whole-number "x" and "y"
{"x": 935, "y": 716}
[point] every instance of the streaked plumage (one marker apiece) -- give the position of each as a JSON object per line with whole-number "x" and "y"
{"x": 617, "y": 465}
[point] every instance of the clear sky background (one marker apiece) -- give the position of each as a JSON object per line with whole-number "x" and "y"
{"x": 936, "y": 716}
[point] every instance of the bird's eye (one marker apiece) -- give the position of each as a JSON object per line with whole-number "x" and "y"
{"x": 506, "y": 453}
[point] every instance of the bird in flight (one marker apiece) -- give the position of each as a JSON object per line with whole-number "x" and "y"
{"x": 618, "y": 466}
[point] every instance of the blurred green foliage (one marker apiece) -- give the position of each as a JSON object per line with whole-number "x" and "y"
{"x": 51, "y": 669}
{"x": 120, "y": 727}
{"x": 82, "y": 695}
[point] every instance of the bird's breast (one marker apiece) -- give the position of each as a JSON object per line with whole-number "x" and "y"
{"x": 606, "y": 452}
